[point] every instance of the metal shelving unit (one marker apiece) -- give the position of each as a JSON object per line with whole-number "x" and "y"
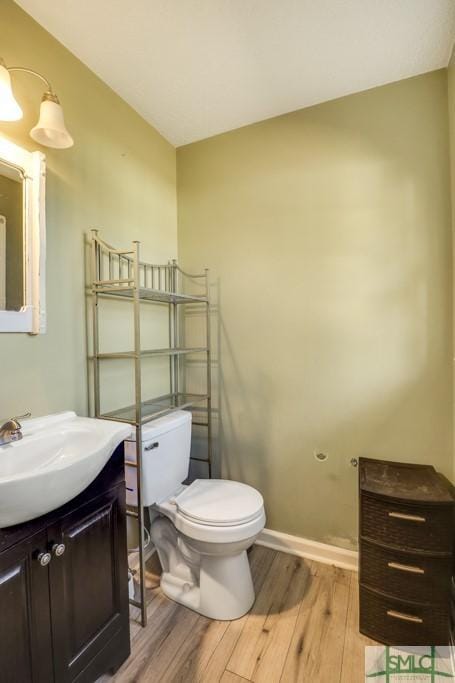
{"x": 120, "y": 274}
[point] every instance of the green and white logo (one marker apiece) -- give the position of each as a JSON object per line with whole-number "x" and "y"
{"x": 432, "y": 664}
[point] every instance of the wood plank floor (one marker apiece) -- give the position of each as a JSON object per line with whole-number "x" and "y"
{"x": 302, "y": 627}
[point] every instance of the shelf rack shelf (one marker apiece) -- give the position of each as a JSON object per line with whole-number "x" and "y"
{"x": 156, "y": 407}
{"x": 147, "y": 294}
{"x": 120, "y": 274}
{"x": 150, "y": 352}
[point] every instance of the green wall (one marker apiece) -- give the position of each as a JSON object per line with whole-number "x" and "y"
{"x": 329, "y": 238}
{"x": 119, "y": 176}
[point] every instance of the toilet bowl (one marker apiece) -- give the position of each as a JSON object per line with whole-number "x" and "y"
{"x": 210, "y": 524}
{"x": 201, "y": 531}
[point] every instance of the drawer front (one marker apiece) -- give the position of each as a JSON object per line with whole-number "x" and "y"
{"x": 402, "y": 575}
{"x": 395, "y": 622}
{"x": 408, "y": 527}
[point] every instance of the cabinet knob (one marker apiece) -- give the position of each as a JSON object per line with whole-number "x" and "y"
{"x": 44, "y": 559}
{"x": 58, "y": 549}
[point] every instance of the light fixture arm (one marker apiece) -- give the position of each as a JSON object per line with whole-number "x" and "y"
{"x": 50, "y": 130}
{"x": 34, "y": 73}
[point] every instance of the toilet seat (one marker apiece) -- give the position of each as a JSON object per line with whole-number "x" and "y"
{"x": 219, "y": 502}
{"x": 216, "y": 511}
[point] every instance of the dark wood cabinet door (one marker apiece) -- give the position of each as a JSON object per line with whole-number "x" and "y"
{"x": 88, "y": 586}
{"x": 25, "y": 628}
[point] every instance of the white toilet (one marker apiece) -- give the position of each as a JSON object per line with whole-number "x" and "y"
{"x": 201, "y": 531}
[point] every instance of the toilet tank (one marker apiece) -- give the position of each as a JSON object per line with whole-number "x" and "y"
{"x": 166, "y": 445}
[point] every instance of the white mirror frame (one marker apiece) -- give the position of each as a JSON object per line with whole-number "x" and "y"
{"x": 32, "y": 165}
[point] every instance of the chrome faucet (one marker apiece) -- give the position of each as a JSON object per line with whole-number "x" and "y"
{"x": 11, "y": 429}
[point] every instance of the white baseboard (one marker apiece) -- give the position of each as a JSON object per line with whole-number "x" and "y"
{"x": 312, "y": 550}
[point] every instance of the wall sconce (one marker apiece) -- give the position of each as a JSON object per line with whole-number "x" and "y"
{"x": 50, "y": 130}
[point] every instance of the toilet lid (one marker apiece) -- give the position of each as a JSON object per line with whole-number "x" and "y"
{"x": 219, "y": 502}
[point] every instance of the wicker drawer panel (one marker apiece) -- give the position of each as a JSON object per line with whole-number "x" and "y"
{"x": 409, "y": 577}
{"x": 380, "y": 620}
{"x": 380, "y": 523}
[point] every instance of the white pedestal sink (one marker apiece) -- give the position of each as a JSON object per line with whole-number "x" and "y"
{"x": 58, "y": 457}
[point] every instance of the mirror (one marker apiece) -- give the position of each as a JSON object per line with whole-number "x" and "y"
{"x": 22, "y": 240}
{"x": 11, "y": 238}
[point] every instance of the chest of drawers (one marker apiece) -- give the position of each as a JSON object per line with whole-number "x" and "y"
{"x": 406, "y": 553}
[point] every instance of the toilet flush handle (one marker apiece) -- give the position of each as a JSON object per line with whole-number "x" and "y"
{"x": 151, "y": 446}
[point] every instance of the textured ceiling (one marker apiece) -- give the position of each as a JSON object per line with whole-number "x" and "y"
{"x": 195, "y": 68}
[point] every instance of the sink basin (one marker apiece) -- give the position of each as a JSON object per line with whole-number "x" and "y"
{"x": 58, "y": 457}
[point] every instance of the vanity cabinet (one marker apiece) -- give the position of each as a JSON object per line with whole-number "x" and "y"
{"x": 63, "y": 588}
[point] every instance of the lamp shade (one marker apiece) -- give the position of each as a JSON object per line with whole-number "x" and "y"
{"x": 50, "y": 130}
{"x": 9, "y": 108}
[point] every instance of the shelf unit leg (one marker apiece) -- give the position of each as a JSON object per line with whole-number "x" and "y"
{"x": 96, "y": 349}
{"x": 140, "y": 519}
{"x": 209, "y": 376}
{"x": 170, "y": 320}
{"x": 175, "y": 314}
{"x": 138, "y": 397}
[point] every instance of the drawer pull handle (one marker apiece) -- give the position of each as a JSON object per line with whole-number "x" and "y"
{"x": 405, "y": 568}
{"x": 409, "y": 518}
{"x": 404, "y": 617}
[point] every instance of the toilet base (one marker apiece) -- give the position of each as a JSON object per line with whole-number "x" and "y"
{"x": 225, "y": 592}
{"x": 216, "y": 585}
